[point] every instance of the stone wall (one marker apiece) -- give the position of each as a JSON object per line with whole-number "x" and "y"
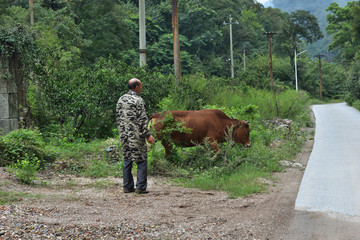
{"x": 9, "y": 119}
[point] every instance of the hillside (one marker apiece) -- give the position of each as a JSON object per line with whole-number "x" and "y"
{"x": 316, "y": 8}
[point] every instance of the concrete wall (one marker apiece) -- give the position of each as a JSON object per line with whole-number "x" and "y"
{"x": 9, "y": 118}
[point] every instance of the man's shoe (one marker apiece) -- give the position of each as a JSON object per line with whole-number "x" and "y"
{"x": 129, "y": 190}
{"x": 141, "y": 191}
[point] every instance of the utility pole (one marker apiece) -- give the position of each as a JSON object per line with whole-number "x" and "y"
{"x": 319, "y": 56}
{"x": 231, "y": 45}
{"x": 142, "y": 33}
{"x": 176, "y": 41}
{"x": 296, "y": 80}
{"x": 269, "y": 34}
{"x": 31, "y": 5}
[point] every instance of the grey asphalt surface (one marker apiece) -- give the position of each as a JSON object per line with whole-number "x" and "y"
{"x": 327, "y": 206}
{"x": 331, "y": 182}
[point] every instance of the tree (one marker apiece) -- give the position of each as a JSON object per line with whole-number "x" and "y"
{"x": 354, "y": 80}
{"x": 355, "y": 27}
{"x": 204, "y": 35}
{"x": 59, "y": 39}
{"x": 340, "y": 26}
{"x": 53, "y": 4}
{"x": 83, "y": 98}
{"x": 298, "y": 26}
{"x": 105, "y": 25}
{"x": 162, "y": 54}
{"x": 4, "y": 4}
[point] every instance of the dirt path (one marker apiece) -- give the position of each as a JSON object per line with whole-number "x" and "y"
{"x": 94, "y": 209}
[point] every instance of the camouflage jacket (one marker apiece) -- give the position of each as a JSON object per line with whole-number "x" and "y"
{"x": 132, "y": 126}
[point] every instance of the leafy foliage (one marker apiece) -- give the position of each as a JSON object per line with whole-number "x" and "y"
{"x": 340, "y": 26}
{"x": 14, "y": 33}
{"x": 290, "y": 103}
{"x": 354, "y": 81}
{"x": 170, "y": 126}
{"x": 86, "y": 97}
{"x": 26, "y": 145}
{"x": 300, "y": 26}
{"x": 105, "y": 26}
{"x": 26, "y": 169}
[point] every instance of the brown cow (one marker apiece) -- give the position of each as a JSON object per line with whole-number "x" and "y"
{"x": 210, "y": 125}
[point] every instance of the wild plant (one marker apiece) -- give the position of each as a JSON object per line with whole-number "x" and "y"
{"x": 25, "y": 170}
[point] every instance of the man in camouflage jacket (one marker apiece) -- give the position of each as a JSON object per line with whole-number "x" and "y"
{"x": 132, "y": 126}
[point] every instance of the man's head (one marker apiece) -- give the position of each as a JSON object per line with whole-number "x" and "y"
{"x": 135, "y": 85}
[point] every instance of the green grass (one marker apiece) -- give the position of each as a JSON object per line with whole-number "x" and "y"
{"x": 9, "y": 197}
{"x": 241, "y": 182}
{"x": 70, "y": 184}
{"x": 290, "y": 104}
{"x": 88, "y": 159}
{"x": 102, "y": 184}
{"x": 99, "y": 169}
{"x": 80, "y": 150}
{"x": 239, "y": 172}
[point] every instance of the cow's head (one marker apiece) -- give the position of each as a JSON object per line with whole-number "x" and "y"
{"x": 242, "y": 133}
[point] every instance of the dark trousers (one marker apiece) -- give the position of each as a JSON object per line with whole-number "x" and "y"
{"x": 141, "y": 182}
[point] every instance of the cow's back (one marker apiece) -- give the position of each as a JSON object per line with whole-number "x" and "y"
{"x": 202, "y": 120}
{"x": 204, "y": 124}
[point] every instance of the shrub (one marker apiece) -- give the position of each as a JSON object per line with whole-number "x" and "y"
{"x": 252, "y": 104}
{"x": 192, "y": 93}
{"x": 157, "y": 164}
{"x": 356, "y": 104}
{"x": 23, "y": 144}
{"x": 84, "y": 98}
{"x": 26, "y": 169}
{"x": 350, "y": 98}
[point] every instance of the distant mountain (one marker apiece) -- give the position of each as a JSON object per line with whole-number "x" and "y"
{"x": 316, "y": 8}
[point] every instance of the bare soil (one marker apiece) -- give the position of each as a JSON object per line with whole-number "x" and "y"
{"x": 69, "y": 207}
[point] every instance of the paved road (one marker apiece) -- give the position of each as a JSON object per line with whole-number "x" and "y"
{"x": 328, "y": 201}
{"x": 331, "y": 182}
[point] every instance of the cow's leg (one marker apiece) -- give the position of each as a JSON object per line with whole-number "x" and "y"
{"x": 168, "y": 148}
